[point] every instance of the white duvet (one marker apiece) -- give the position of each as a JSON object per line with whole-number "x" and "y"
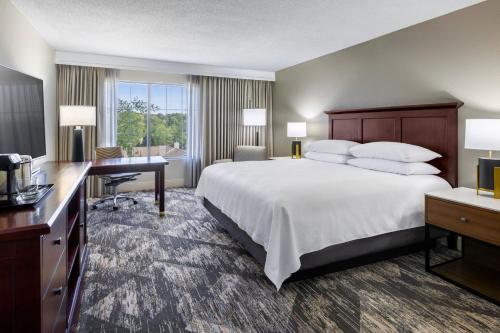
{"x": 293, "y": 207}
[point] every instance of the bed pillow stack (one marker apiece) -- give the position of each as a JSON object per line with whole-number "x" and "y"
{"x": 394, "y": 157}
{"x": 332, "y": 151}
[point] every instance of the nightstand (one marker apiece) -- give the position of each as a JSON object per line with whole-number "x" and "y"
{"x": 476, "y": 221}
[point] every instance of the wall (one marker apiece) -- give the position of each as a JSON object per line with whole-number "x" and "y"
{"x": 22, "y": 49}
{"x": 453, "y": 57}
{"x": 174, "y": 172}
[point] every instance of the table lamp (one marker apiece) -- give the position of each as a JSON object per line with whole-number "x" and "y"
{"x": 296, "y": 130}
{"x": 484, "y": 134}
{"x": 254, "y": 117}
{"x": 78, "y": 116}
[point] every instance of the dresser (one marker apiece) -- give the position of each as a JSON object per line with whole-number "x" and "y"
{"x": 475, "y": 219}
{"x": 43, "y": 252}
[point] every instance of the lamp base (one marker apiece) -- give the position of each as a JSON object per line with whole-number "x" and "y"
{"x": 77, "y": 155}
{"x": 296, "y": 149}
{"x": 488, "y": 176}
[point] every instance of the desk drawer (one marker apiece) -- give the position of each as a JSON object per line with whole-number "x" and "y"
{"x": 53, "y": 246}
{"x": 54, "y": 299}
{"x": 469, "y": 221}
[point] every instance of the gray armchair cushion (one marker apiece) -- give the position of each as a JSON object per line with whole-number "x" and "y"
{"x": 226, "y": 160}
{"x": 249, "y": 153}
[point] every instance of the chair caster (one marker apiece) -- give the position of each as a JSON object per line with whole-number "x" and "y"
{"x": 135, "y": 202}
{"x": 115, "y": 208}
{"x": 94, "y": 207}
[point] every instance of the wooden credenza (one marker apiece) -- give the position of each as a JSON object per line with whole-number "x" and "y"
{"x": 43, "y": 253}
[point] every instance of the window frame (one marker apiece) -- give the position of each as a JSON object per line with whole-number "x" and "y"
{"x": 148, "y": 133}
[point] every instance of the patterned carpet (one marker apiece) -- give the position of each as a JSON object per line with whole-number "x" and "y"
{"x": 183, "y": 273}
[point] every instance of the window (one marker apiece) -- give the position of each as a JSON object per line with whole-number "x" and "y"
{"x": 151, "y": 119}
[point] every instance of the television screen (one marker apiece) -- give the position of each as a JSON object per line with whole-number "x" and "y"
{"x": 22, "y": 128}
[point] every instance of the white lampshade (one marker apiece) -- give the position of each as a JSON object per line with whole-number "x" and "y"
{"x": 254, "y": 117}
{"x": 296, "y": 130}
{"x": 77, "y": 115}
{"x": 482, "y": 134}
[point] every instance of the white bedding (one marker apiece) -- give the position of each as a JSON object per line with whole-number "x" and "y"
{"x": 293, "y": 207}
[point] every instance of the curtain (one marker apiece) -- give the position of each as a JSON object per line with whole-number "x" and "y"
{"x": 194, "y": 144}
{"x": 215, "y": 119}
{"x": 107, "y": 122}
{"x": 79, "y": 85}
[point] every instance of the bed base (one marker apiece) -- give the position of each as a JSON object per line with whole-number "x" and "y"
{"x": 336, "y": 257}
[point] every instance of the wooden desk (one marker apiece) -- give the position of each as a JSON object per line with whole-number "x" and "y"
{"x": 154, "y": 164}
{"x": 43, "y": 250}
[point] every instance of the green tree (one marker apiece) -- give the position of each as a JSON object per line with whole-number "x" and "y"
{"x": 176, "y": 122}
{"x": 165, "y": 129}
{"x": 131, "y": 130}
{"x": 160, "y": 133}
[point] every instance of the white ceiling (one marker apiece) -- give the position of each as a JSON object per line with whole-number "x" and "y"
{"x": 252, "y": 34}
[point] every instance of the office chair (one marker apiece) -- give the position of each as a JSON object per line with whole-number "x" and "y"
{"x": 112, "y": 181}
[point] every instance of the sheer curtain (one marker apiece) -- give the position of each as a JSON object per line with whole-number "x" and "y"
{"x": 107, "y": 120}
{"x": 194, "y": 144}
{"x": 215, "y": 119}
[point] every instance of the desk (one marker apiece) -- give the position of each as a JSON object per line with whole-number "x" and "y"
{"x": 154, "y": 164}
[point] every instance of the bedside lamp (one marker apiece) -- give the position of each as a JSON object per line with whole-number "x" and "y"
{"x": 296, "y": 130}
{"x": 78, "y": 116}
{"x": 484, "y": 134}
{"x": 254, "y": 117}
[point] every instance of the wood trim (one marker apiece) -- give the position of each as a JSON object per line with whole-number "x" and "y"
{"x": 434, "y": 106}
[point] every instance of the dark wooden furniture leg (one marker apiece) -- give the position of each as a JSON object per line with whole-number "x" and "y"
{"x": 427, "y": 247}
{"x": 161, "y": 190}
{"x": 157, "y": 186}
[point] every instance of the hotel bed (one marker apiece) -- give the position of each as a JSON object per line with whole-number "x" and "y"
{"x": 301, "y": 216}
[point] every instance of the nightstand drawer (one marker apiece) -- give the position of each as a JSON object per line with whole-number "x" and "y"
{"x": 469, "y": 221}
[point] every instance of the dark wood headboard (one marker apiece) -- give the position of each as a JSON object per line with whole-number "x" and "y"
{"x": 433, "y": 126}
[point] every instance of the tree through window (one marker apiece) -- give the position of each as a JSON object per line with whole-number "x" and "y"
{"x": 154, "y": 114}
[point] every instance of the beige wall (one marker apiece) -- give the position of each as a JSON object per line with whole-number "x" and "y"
{"x": 22, "y": 49}
{"x": 454, "y": 57}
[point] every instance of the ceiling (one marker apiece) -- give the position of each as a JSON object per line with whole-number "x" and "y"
{"x": 252, "y": 34}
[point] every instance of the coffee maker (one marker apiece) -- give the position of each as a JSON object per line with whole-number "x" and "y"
{"x": 9, "y": 163}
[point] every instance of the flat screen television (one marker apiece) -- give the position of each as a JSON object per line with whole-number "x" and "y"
{"x": 22, "y": 128}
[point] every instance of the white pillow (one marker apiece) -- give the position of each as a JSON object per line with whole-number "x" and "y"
{"x": 326, "y": 157}
{"x": 332, "y": 146}
{"x": 394, "y": 151}
{"x": 402, "y": 168}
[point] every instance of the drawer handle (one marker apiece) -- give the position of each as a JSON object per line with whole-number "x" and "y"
{"x": 57, "y": 241}
{"x": 57, "y": 291}
{"x": 463, "y": 219}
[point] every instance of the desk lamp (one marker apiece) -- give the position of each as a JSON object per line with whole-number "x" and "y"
{"x": 484, "y": 134}
{"x": 78, "y": 116}
{"x": 296, "y": 130}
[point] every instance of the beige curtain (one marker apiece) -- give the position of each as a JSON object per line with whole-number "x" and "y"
{"x": 77, "y": 85}
{"x": 215, "y": 119}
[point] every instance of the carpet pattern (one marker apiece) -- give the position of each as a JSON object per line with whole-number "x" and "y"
{"x": 183, "y": 273}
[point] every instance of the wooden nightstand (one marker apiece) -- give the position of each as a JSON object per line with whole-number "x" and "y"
{"x": 476, "y": 220}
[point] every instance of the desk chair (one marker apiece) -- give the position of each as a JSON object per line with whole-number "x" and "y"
{"x": 112, "y": 181}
